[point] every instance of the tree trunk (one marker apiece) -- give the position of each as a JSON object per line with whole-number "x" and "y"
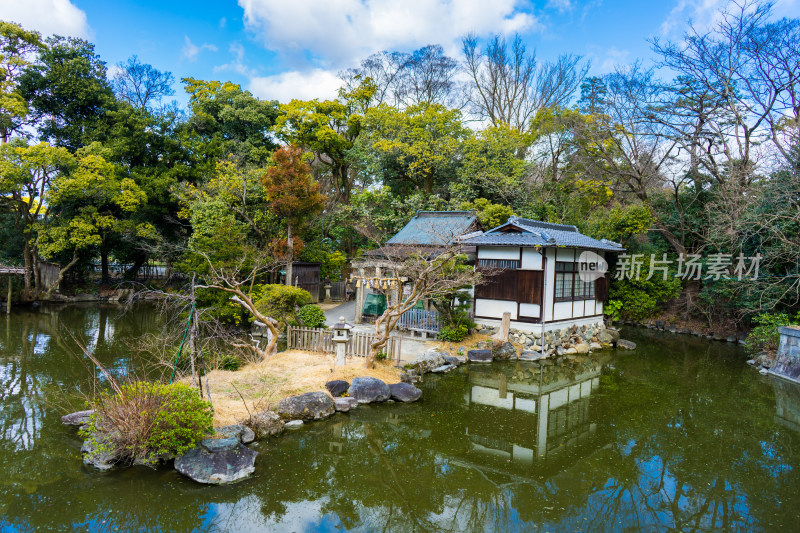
{"x": 61, "y": 273}
{"x": 28, "y": 268}
{"x": 104, "y": 277}
{"x": 133, "y": 271}
{"x": 290, "y": 243}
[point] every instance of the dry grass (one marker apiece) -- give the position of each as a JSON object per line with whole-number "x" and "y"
{"x": 264, "y": 384}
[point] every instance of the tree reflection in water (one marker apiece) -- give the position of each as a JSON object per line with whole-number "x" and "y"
{"x": 676, "y": 436}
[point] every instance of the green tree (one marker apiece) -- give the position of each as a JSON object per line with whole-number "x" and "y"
{"x": 228, "y": 122}
{"x": 329, "y": 129}
{"x": 68, "y": 92}
{"x": 26, "y": 175}
{"x": 419, "y": 146}
{"x": 89, "y": 208}
{"x": 17, "y": 48}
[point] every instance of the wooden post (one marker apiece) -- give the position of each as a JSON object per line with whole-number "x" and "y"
{"x": 8, "y": 300}
{"x": 359, "y": 300}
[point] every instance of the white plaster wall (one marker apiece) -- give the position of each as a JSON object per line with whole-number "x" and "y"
{"x": 527, "y": 405}
{"x": 574, "y": 392}
{"x": 531, "y": 259}
{"x": 495, "y": 308}
{"x": 562, "y": 311}
{"x": 498, "y": 252}
{"x": 529, "y": 310}
{"x": 559, "y": 398}
{"x": 566, "y": 254}
{"x": 487, "y": 396}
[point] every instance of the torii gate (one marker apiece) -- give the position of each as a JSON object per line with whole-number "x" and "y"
{"x": 10, "y": 272}
{"x": 392, "y": 286}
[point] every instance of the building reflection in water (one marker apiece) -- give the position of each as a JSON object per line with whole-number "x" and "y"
{"x": 526, "y": 412}
{"x": 787, "y": 403}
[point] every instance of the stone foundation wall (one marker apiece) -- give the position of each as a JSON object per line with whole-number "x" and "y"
{"x": 565, "y": 338}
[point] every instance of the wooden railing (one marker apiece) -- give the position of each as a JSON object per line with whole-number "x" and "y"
{"x": 321, "y": 340}
{"x": 420, "y": 320}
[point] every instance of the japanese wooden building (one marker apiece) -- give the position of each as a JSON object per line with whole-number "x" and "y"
{"x": 533, "y": 273}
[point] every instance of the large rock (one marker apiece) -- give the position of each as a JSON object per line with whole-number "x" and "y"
{"x": 444, "y": 368}
{"x": 308, "y": 406}
{"x": 626, "y": 345}
{"x": 504, "y": 352}
{"x": 78, "y": 418}
{"x": 479, "y": 356}
{"x": 403, "y": 392}
{"x": 608, "y": 336}
{"x": 337, "y": 387}
{"x": 266, "y": 424}
{"x": 95, "y": 456}
{"x": 368, "y": 390}
{"x": 244, "y": 434}
{"x": 531, "y": 355}
{"x": 217, "y": 461}
{"x": 581, "y": 347}
{"x": 428, "y": 361}
{"x": 455, "y": 360}
{"x": 344, "y": 404}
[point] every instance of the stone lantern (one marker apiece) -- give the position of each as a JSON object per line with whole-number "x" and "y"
{"x": 341, "y": 335}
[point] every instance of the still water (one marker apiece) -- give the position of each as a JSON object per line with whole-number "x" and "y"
{"x": 679, "y": 435}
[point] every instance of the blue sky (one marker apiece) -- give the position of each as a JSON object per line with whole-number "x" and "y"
{"x": 281, "y": 49}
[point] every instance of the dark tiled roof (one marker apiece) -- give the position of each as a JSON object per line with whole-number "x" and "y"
{"x": 537, "y": 233}
{"x": 434, "y": 228}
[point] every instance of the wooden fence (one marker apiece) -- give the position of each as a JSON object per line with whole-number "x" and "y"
{"x": 321, "y": 340}
{"x": 420, "y": 320}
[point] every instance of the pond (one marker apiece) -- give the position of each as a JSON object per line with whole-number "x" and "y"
{"x": 678, "y": 435}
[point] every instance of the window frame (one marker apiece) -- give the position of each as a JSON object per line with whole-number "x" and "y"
{"x": 578, "y": 290}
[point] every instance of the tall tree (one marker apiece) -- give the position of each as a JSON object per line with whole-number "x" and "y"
{"x": 26, "y": 174}
{"x": 329, "y": 129}
{"x": 417, "y": 147}
{"x": 141, "y": 84}
{"x": 228, "y": 122}
{"x": 90, "y": 210}
{"x": 292, "y": 194}
{"x": 507, "y": 85}
{"x": 17, "y": 48}
{"x": 68, "y": 92}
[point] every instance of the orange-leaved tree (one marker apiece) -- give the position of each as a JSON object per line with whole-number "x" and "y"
{"x": 293, "y": 194}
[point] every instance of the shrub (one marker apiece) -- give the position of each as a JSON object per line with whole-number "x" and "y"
{"x": 765, "y": 335}
{"x": 312, "y": 316}
{"x": 279, "y": 301}
{"x": 148, "y": 421}
{"x": 453, "y": 333}
{"x": 229, "y": 362}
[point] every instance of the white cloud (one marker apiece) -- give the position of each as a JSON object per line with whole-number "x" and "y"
{"x": 238, "y": 64}
{"x": 561, "y": 5}
{"x": 337, "y": 33}
{"x": 614, "y": 58}
{"x": 49, "y": 17}
{"x": 190, "y": 50}
{"x": 317, "y": 83}
{"x": 702, "y": 13}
